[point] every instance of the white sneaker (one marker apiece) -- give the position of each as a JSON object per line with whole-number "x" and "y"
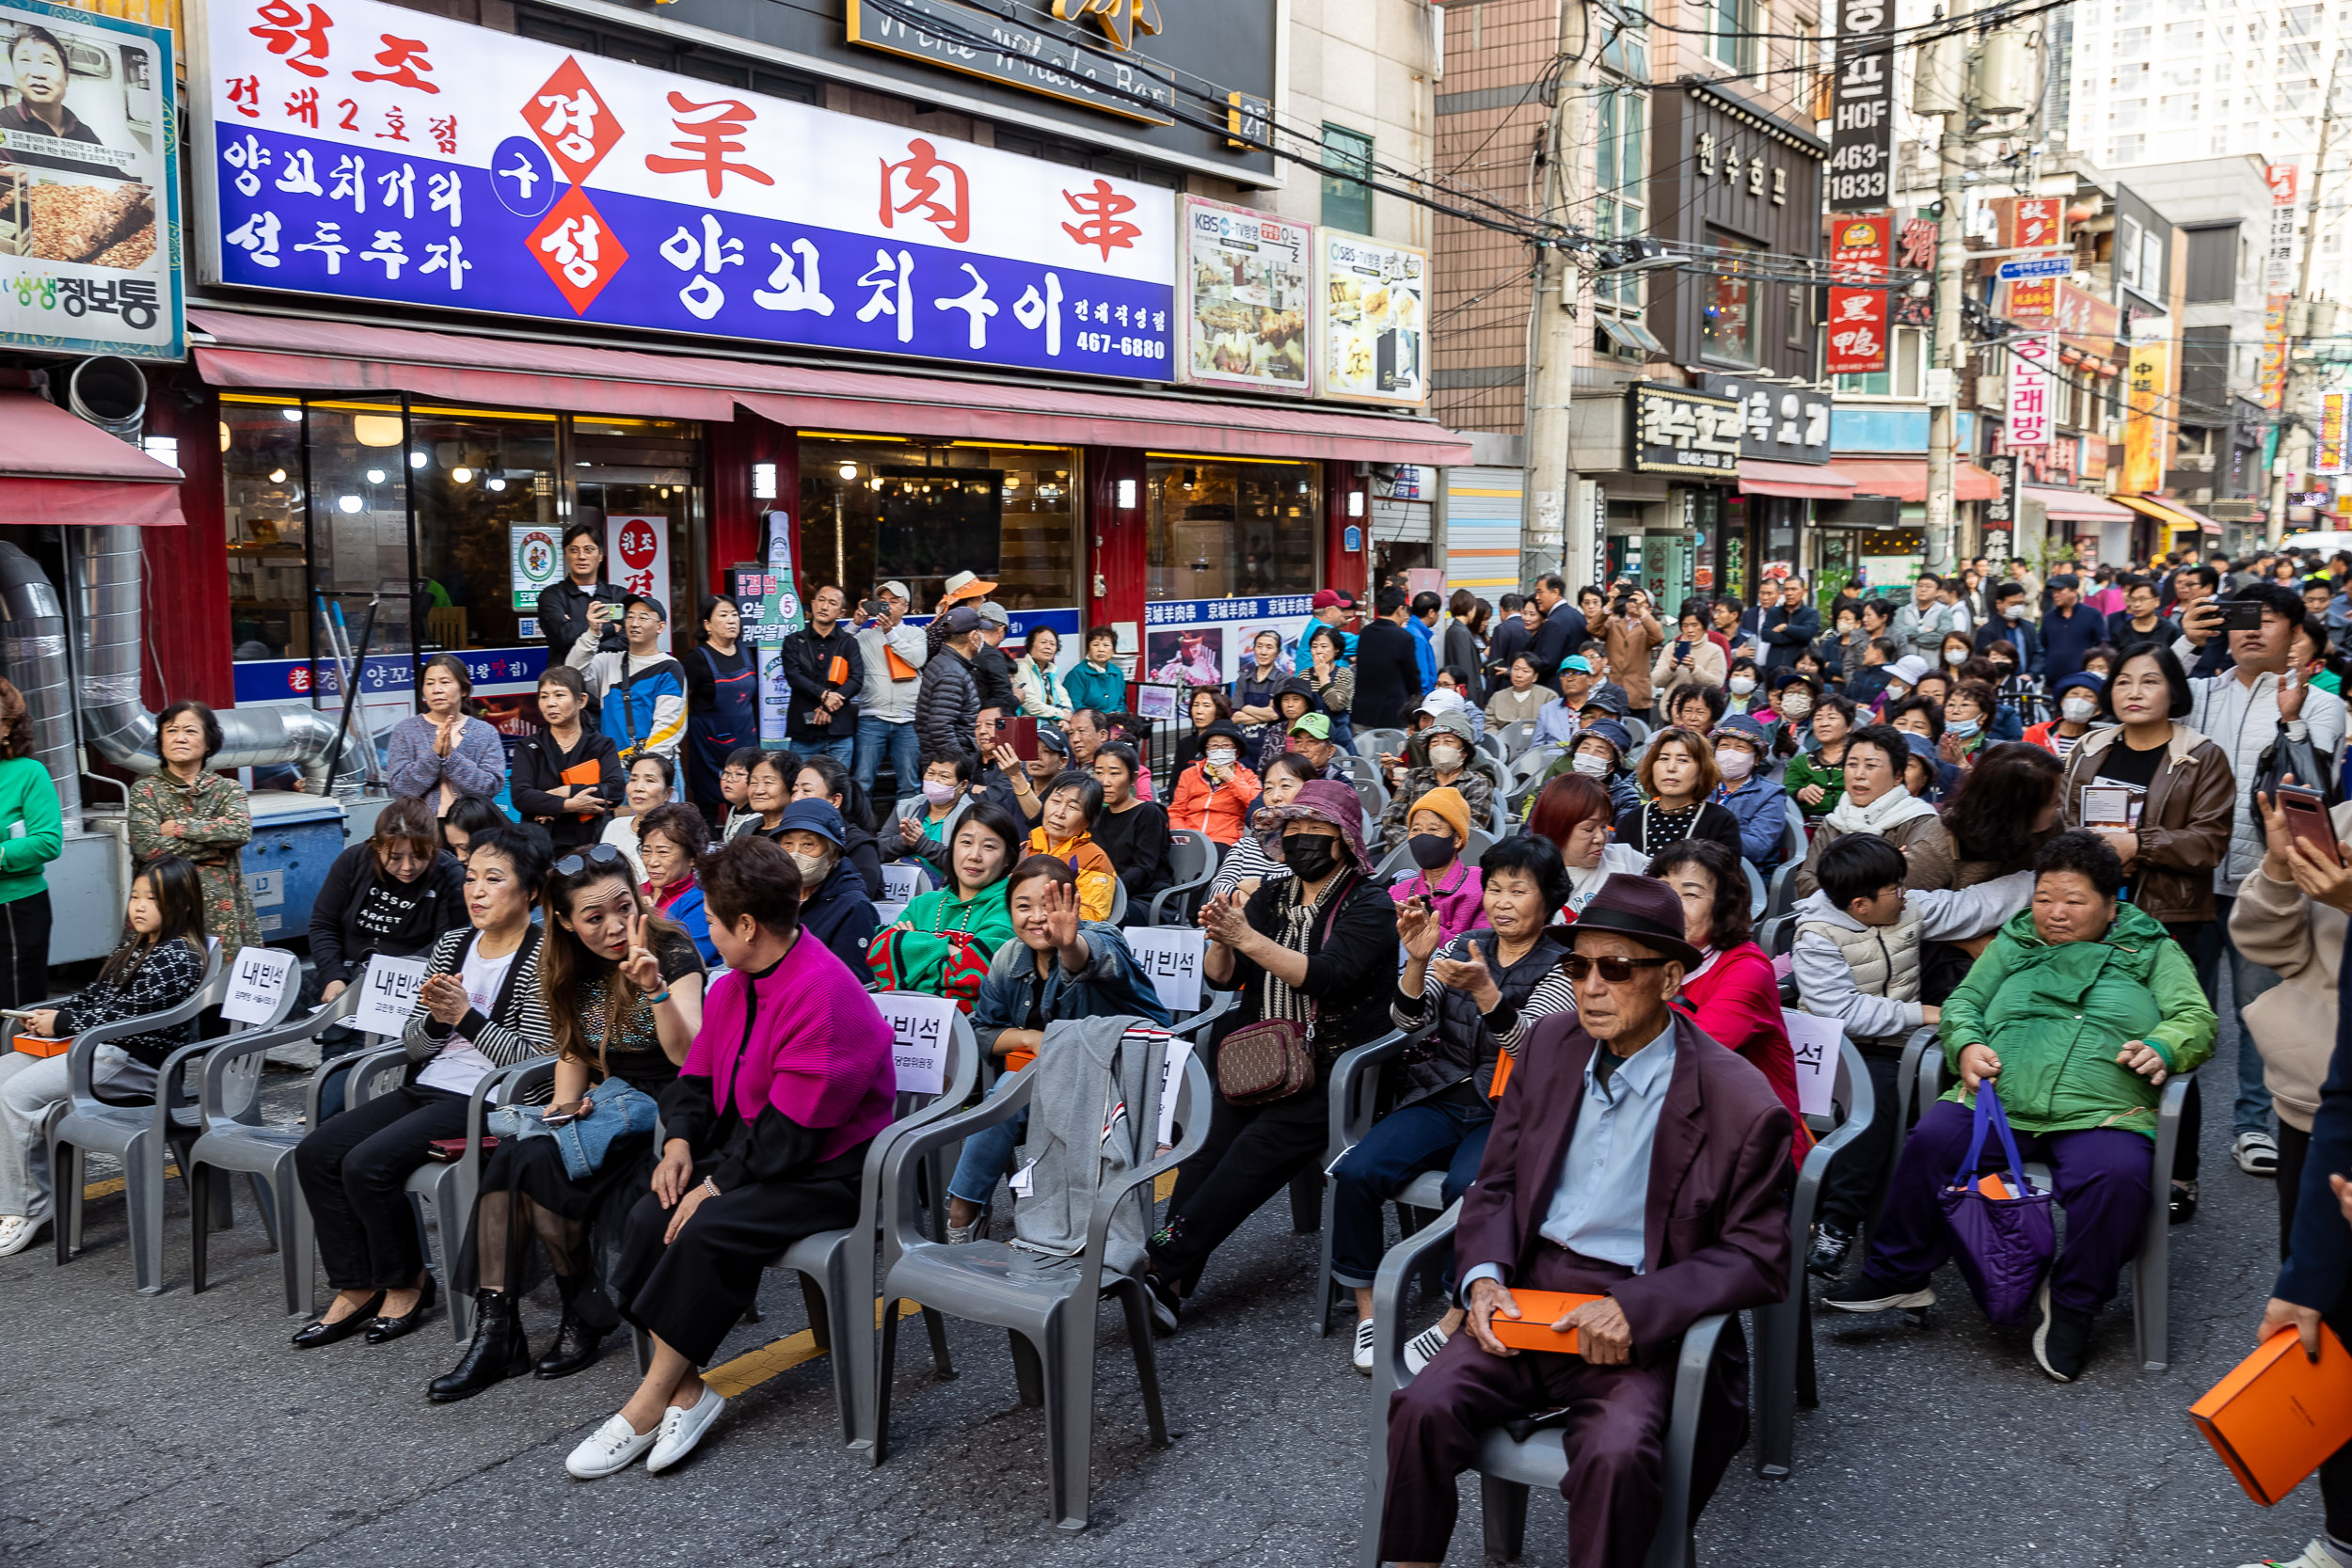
{"x": 2316, "y": 1555}
{"x": 1423, "y": 1348}
{"x": 682, "y": 1429}
{"x": 1363, "y": 1346}
{"x": 612, "y": 1446}
{"x": 17, "y": 1233}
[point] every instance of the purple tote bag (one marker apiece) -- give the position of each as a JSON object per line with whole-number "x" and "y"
{"x": 2002, "y": 1245}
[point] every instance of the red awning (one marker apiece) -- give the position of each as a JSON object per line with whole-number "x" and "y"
{"x": 1797, "y": 481}
{"x": 291, "y": 355}
{"x": 55, "y": 468}
{"x": 2076, "y": 506}
{"x": 1906, "y": 477}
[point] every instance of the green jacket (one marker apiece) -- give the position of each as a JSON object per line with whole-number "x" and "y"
{"x": 32, "y": 830}
{"x": 1806, "y": 768}
{"x": 2057, "y": 1016}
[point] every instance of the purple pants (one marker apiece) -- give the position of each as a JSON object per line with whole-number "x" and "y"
{"x": 2100, "y": 1176}
{"x": 1614, "y": 1435}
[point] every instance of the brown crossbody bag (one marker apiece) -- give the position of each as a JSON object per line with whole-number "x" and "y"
{"x": 1274, "y": 1058}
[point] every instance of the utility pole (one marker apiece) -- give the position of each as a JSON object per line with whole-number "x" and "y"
{"x": 1555, "y": 536}
{"x": 1951, "y": 257}
{"x": 2298, "y": 314}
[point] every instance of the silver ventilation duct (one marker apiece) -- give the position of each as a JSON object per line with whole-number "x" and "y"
{"x": 115, "y": 723}
{"x": 32, "y": 655}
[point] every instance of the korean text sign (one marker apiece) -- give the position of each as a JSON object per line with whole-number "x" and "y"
{"x": 89, "y": 214}
{"x": 354, "y": 148}
{"x": 2030, "y": 409}
{"x": 1859, "y": 246}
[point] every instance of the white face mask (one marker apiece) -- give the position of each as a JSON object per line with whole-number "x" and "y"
{"x": 1592, "y": 765}
{"x": 2013, "y": 611}
{"x": 1796, "y": 705}
{"x": 1445, "y": 756}
{"x": 1222, "y": 756}
{"x": 1896, "y": 691}
{"x": 1736, "y": 761}
{"x": 814, "y": 869}
{"x": 1742, "y": 685}
{"x": 1955, "y": 656}
{"x": 2079, "y": 709}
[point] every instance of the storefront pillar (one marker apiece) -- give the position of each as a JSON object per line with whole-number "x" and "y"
{"x": 188, "y": 644}
{"x": 1117, "y": 544}
{"x": 1347, "y": 515}
{"x": 737, "y": 450}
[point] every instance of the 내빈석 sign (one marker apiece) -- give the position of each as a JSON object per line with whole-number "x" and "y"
{"x": 351, "y": 149}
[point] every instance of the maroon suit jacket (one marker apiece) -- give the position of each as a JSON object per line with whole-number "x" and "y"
{"x": 1716, "y": 1232}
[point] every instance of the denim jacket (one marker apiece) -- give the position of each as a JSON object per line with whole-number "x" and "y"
{"x": 1112, "y": 984}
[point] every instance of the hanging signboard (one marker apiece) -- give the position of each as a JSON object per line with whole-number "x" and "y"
{"x": 2029, "y": 412}
{"x": 2024, "y": 222}
{"x": 1679, "y": 432}
{"x": 2000, "y": 513}
{"x": 2331, "y": 457}
{"x": 1248, "y": 298}
{"x": 1375, "y": 316}
{"x": 372, "y": 153}
{"x": 1861, "y": 116}
{"x": 90, "y": 193}
{"x": 772, "y": 613}
{"x": 2147, "y": 386}
{"x": 2279, "y": 258}
{"x": 1778, "y": 423}
{"x": 1859, "y": 247}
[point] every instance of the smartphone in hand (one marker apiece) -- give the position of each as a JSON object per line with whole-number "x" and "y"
{"x": 2305, "y": 812}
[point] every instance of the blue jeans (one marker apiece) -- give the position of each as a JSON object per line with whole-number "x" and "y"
{"x": 874, "y": 737}
{"x": 2247, "y": 980}
{"x": 842, "y": 749}
{"x": 988, "y": 1154}
{"x": 1431, "y": 1136}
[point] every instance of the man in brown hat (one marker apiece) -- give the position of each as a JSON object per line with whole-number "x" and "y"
{"x": 1618, "y": 1116}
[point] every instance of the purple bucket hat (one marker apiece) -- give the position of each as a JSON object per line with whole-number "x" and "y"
{"x": 1320, "y": 801}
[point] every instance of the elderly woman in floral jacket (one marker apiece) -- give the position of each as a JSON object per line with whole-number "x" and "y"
{"x": 185, "y": 809}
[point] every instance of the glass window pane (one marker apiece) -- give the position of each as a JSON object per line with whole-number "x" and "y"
{"x": 623, "y": 468}
{"x": 268, "y": 517}
{"x": 1346, "y": 203}
{"x": 1223, "y": 529}
{"x": 1727, "y": 327}
{"x": 360, "y": 537}
{"x": 874, "y": 511}
{"x": 482, "y": 475}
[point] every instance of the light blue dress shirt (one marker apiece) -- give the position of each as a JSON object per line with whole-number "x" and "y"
{"x": 1601, "y": 1204}
{"x": 1555, "y": 725}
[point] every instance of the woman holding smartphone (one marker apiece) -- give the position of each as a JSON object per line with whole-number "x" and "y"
{"x": 2162, "y": 795}
{"x": 623, "y": 993}
{"x": 1690, "y": 659}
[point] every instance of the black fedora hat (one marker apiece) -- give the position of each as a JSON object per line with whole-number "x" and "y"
{"x": 1644, "y": 908}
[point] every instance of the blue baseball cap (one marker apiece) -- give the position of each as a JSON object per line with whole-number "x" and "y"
{"x": 813, "y": 816}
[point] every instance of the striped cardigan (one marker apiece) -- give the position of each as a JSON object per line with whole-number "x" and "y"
{"x": 516, "y": 1029}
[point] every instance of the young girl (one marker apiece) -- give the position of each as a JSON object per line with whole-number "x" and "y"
{"x": 160, "y": 967}
{"x": 568, "y": 778}
{"x": 650, "y": 778}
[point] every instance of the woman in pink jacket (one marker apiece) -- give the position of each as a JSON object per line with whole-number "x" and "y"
{"x": 1733, "y": 995}
{"x": 787, "y": 1080}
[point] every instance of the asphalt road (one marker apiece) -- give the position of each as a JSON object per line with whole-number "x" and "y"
{"x": 184, "y": 1429}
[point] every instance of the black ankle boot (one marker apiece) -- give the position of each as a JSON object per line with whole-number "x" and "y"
{"x": 499, "y": 1351}
{"x": 577, "y": 1346}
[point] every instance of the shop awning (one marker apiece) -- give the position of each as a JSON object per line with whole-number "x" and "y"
{"x": 1905, "y": 479}
{"x": 293, "y": 355}
{"x": 55, "y": 468}
{"x": 1797, "y": 481}
{"x": 2171, "y": 513}
{"x": 2076, "y": 506}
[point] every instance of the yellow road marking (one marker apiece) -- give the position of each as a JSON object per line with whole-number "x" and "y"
{"x": 1165, "y": 1184}
{"x": 113, "y": 1184}
{"x": 753, "y": 1368}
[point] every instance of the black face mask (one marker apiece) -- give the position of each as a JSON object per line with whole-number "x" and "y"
{"x": 1431, "y": 850}
{"x": 1311, "y": 857}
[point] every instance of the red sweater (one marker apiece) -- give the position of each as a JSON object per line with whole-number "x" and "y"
{"x": 1736, "y": 999}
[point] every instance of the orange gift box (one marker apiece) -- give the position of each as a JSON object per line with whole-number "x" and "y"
{"x": 1538, "y": 1311}
{"x": 41, "y": 1045}
{"x": 2278, "y": 1414}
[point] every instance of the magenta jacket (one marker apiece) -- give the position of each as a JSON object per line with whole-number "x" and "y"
{"x": 804, "y": 1038}
{"x": 1458, "y": 902}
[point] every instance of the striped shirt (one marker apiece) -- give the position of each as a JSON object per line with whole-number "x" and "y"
{"x": 1508, "y": 1024}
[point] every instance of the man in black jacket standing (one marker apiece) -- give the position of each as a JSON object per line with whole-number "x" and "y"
{"x": 1790, "y": 630}
{"x": 991, "y": 667}
{"x": 826, "y": 672}
{"x": 1388, "y": 667}
{"x": 947, "y": 703}
{"x": 1563, "y": 630}
{"x": 563, "y": 609}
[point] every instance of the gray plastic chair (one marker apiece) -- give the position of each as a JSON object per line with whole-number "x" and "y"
{"x": 1793, "y": 841}
{"x": 1355, "y": 1097}
{"x": 1758, "y": 897}
{"x": 1372, "y": 743}
{"x": 1515, "y": 737}
{"x": 2152, "y": 1266}
{"x": 1785, "y": 1380}
{"x": 139, "y": 1133}
{"x": 1365, "y": 775}
{"x": 1047, "y": 1304}
{"x": 1118, "y": 900}
{"x": 1508, "y": 1466}
{"x": 233, "y": 1140}
{"x": 1491, "y": 744}
{"x": 1192, "y": 858}
{"x": 448, "y": 1189}
{"x": 1638, "y": 729}
{"x": 1781, "y": 898}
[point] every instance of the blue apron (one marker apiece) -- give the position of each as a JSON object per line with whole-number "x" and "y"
{"x": 732, "y": 721}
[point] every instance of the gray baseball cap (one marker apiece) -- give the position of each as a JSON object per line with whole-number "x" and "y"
{"x": 992, "y": 613}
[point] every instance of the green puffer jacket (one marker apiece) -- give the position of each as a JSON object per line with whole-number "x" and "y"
{"x": 2057, "y": 1016}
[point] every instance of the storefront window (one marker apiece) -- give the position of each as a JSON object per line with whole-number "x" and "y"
{"x": 1218, "y": 529}
{"x": 874, "y": 510}
{"x": 639, "y": 480}
{"x": 478, "y": 475}
{"x": 268, "y": 516}
{"x": 360, "y": 521}
{"x": 1728, "y": 333}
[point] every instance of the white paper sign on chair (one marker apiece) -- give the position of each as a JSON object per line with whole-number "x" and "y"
{"x": 1172, "y": 955}
{"x": 902, "y": 881}
{"x": 1815, "y": 1042}
{"x": 388, "y": 994}
{"x": 920, "y": 1028}
{"x": 256, "y": 983}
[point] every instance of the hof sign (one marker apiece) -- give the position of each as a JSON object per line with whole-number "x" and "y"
{"x": 1862, "y": 131}
{"x": 1679, "y": 432}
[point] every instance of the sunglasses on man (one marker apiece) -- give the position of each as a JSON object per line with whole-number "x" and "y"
{"x": 1617, "y": 972}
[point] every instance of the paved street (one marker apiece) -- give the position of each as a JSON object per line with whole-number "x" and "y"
{"x": 184, "y": 1429}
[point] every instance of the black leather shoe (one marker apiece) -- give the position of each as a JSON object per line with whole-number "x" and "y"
{"x": 499, "y": 1351}
{"x": 1831, "y": 1243}
{"x": 318, "y": 1330}
{"x": 2182, "y": 1206}
{"x": 383, "y": 1329}
{"x": 576, "y": 1348}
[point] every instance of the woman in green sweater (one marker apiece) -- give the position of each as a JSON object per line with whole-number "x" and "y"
{"x": 1816, "y": 776}
{"x": 947, "y": 938}
{"x": 32, "y": 834}
{"x": 186, "y": 810}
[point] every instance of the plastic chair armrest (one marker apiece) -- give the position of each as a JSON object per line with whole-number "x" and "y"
{"x": 913, "y": 1145}
{"x": 1223, "y": 1002}
{"x": 1397, "y": 1265}
{"x": 1698, "y": 1350}
{"x": 363, "y": 1066}
{"x": 1348, "y": 1075}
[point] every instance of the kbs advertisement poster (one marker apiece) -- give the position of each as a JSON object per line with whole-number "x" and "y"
{"x": 1248, "y": 298}
{"x": 1375, "y": 317}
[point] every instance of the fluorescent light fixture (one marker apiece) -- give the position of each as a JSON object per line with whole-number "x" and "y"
{"x": 763, "y": 481}
{"x": 1127, "y": 494}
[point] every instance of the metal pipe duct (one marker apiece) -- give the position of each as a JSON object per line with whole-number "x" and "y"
{"x": 32, "y": 655}
{"x": 117, "y": 724}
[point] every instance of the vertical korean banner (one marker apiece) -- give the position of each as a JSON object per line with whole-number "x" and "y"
{"x": 2331, "y": 455}
{"x": 771, "y": 612}
{"x": 2148, "y": 385}
{"x": 2000, "y": 513}
{"x": 2279, "y": 278}
{"x": 2029, "y": 412}
{"x": 1859, "y": 246}
{"x": 1862, "y": 146}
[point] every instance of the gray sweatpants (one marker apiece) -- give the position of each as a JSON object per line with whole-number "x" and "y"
{"x": 29, "y": 1085}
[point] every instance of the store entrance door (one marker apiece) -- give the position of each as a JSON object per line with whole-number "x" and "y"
{"x": 647, "y": 516}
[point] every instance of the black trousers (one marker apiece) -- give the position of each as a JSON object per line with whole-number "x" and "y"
{"x": 692, "y": 1291}
{"x": 24, "y": 950}
{"x": 354, "y": 1170}
{"x": 2295, "y": 1146}
{"x": 1855, "y": 1173}
{"x": 1251, "y": 1154}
